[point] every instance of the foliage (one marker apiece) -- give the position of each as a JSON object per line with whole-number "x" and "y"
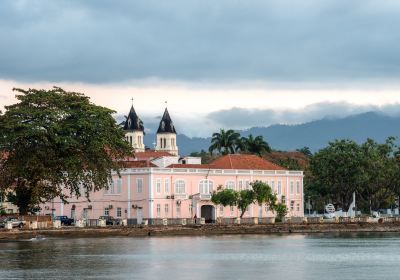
{"x": 205, "y": 156}
{"x": 305, "y": 151}
{"x": 53, "y": 140}
{"x": 263, "y": 193}
{"x": 224, "y": 141}
{"x": 260, "y": 193}
{"x": 371, "y": 170}
{"x": 225, "y": 197}
{"x": 254, "y": 145}
{"x": 281, "y": 211}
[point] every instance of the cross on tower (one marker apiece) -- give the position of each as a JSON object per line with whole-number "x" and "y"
{"x": 132, "y": 101}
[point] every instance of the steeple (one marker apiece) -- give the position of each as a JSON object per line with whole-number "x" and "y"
{"x": 166, "y": 135}
{"x": 133, "y": 122}
{"x": 134, "y": 130}
{"x": 166, "y": 124}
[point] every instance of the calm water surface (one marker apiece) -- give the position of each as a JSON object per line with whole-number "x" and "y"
{"x": 361, "y": 256}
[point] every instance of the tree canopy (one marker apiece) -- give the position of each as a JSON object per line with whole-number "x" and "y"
{"x": 370, "y": 169}
{"x": 52, "y": 140}
{"x": 259, "y": 193}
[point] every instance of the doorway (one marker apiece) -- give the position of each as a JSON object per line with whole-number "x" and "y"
{"x": 208, "y": 212}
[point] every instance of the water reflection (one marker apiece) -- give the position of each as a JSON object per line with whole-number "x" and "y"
{"x": 349, "y": 256}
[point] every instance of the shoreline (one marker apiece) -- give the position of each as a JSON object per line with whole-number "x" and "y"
{"x": 198, "y": 230}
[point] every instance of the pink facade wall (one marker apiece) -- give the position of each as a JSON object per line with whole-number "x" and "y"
{"x": 153, "y": 198}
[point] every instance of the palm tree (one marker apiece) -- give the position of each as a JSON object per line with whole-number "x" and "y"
{"x": 224, "y": 141}
{"x": 254, "y": 145}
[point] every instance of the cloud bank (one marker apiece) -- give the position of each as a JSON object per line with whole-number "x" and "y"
{"x": 217, "y": 41}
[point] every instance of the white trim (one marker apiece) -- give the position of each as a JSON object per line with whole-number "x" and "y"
{"x": 222, "y": 172}
{"x": 129, "y": 198}
{"x": 151, "y": 195}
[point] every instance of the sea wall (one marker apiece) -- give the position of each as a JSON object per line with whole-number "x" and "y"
{"x": 191, "y": 230}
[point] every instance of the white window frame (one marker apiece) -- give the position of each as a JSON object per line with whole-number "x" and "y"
{"x": 119, "y": 212}
{"x": 139, "y": 185}
{"x": 166, "y": 208}
{"x": 298, "y": 187}
{"x": 291, "y": 187}
{"x": 206, "y": 186}
{"x": 166, "y": 185}
{"x": 179, "y": 190}
{"x": 158, "y": 210}
{"x": 230, "y": 185}
{"x": 158, "y": 185}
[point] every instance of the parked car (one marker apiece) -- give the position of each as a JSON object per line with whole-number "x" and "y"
{"x": 110, "y": 221}
{"x": 16, "y": 223}
{"x": 65, "y": 221}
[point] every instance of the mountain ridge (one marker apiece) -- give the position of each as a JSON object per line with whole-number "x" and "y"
{"x": 315, "y": 134}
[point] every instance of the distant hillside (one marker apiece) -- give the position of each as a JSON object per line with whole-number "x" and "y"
{"x": 315, "y": 135}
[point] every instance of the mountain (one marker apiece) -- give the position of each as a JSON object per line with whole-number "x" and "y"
{"x": 315, "y": 135}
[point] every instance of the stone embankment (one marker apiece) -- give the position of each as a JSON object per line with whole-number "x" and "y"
{"x": 198, "y": 230}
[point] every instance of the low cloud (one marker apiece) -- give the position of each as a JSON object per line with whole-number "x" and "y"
{"x": 239, "y": 118}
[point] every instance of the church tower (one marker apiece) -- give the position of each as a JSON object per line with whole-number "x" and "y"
{"x": 166, "y": 135}
{"x": 134, "y": 131}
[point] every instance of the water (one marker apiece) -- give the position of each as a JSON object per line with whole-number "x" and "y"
{"x": 360, "y": 256}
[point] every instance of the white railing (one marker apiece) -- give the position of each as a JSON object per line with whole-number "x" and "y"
{"x": 211, "y": 171}
{"x": 204, "y": 196}
{"x": 180, "y": 196}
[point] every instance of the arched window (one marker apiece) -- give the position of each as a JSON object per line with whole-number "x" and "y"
{"x": 206, "y": 186}
{"x": 165, "y": 142}
{"x": 130, "y": 139}
{"x": 180, "y": 187}
{"x": 230, "y": 185}
{"x": 161, "y": 142}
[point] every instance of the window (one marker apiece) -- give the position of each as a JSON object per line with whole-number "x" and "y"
{"x": 106, "y": 211}
{"x": 166, "y": 209}
{"x": 283, "y": 199}
{"x": 247, "y": 185}
{"x": 273, "y": 186}
{"x": 205, "y": 186}
{"x": 180, "y": 187}
{"x": 291, "y": 188}
{"x": 158, "y": 210}
{"x": 130, "y": 139}
{"x": 279, "y": 187}
{"x": 221, "y": 209}
{"x": 191, "y": 210}
{"x": 119, "y": 212}
{"x": 230, "y": 185}
{"x": 166, "y": 186}
{"x": 297, "y": 207}
{"x": 231, "y": 209}
{"x": 298, "y": 187}
{"x": 240, "y": 185}
{"x": 178, "y": 211}
{"x": 158, "y": 185}
{"x": 139, "y": 185}
{"x": 292, "y": 205}
{"x": 115, "y": 187}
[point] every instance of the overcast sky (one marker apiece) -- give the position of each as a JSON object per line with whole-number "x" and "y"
{"x": 226, "y": 63}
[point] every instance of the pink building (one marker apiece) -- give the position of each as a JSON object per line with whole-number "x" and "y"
{"x": 160, "y": 184}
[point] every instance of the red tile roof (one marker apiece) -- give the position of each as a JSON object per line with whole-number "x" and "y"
{"x": 198, "y": 166}
{"x": 151, "y": 154}
{"x": 240, "y": 161}
{"x": 137, "y": 164}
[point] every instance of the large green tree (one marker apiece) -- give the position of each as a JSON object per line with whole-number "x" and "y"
{"x": 224, "y": 142}
{"x": 53, "y": 140}
{"x": 336, "y": 172}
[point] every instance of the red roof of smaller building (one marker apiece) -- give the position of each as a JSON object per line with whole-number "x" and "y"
{"x": 241, "y": 161}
